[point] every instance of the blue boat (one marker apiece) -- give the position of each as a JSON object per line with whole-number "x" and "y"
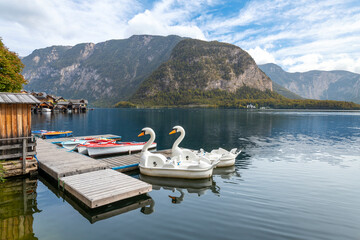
{"x": 52, "y": 134}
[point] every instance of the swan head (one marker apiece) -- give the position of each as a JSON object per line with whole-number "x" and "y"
{"x": 146, "y": 131}
{"x": 177, "y": 129}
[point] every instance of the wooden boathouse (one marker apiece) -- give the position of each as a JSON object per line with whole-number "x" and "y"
{"x": 17, "y": 146}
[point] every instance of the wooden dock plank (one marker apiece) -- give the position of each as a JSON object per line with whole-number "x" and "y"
{"x": 121, "y": 187}
{"x": 94, "y": 189}
{"x": 122, "y": 161}
{"x": 60, "y": 163}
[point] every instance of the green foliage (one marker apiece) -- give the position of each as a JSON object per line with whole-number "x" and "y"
{"x": 124, "y": 104}
{"x": 2, "y": 172}
{"x": 196, "y": 96}
{"x": 11, "y": 67}
{"x": 239, "y": 99}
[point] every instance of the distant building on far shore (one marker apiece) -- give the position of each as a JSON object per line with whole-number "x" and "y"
{"x": 251, "y": 106}
{"x": 50, "y": 103}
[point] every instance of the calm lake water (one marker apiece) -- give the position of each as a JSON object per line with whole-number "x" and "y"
{"x": 298, "y": 177}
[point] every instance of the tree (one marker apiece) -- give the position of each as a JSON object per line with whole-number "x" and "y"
{"x": 11, "y": 66}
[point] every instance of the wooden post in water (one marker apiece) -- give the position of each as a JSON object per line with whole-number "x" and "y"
{"x": 24, "y": 155}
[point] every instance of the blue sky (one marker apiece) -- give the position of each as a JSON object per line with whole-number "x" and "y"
{"x": 298, "y": 35}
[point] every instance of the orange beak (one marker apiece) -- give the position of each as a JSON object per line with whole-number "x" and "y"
{"x": 141, "y": 134}
{"x": 172, "y": 132}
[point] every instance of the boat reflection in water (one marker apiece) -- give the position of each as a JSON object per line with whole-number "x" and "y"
{"x": 17, "y": 205}
{"x": 192, "y": 186}
{"x": 226, "y": 172}
{"x": 144, "y": 202}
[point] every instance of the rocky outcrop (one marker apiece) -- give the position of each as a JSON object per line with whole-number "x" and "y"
{"x": 196, "y": 64}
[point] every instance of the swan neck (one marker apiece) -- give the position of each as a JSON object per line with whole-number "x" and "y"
{"x": 148, "y": 143}
{"x": 178, "y": 140}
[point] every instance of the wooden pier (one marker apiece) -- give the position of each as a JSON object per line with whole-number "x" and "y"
{"x": 92, "y": 181}
{"x": 102, "y": 187}
{"x": 123, "y": 163}
{"x": 144, "y": 202}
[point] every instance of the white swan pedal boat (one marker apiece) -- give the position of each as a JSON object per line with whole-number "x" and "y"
{"x": 220, "y": 157}
{"x": 226, "y": 158}
{"x": 187, "y": 166}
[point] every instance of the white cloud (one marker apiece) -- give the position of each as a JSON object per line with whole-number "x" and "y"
{"x": 165, "y": 19}
{"x": 319, "y": 62}
{"x": 27, "y": 25}
{"x": 294, "y": 32}
{"x": 299, "y": 35}
{"x": 65, "y": 22}
{"x": 261, "y": 56}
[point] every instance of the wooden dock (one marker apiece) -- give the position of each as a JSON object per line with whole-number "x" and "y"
{"x": 102, "y": 187}
{"x": 144, "y": 201}
{"x": 57, "y": 162}
{"x": 89, "y": 180}
{"x": 123, "y": 163}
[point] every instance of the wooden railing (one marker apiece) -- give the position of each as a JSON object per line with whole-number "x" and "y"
{"x": 16, "y": 148}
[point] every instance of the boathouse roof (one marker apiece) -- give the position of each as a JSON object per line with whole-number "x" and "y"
{"x": 6, "y": 97}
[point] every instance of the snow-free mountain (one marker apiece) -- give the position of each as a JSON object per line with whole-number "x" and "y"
{"x": 107, "y": 72}
{"x": 322, "y": 85}
{"x": 103, "y": 73}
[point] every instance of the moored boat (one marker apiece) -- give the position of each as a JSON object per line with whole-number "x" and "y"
{"x": 44, "y": 110}
{"x": 82, "y": 148}
{"x": 225, "y": 158}
{"x": 72, "y": 144}
{"x": 52, "y": 134}
{"x": 107, "y": 148}
{"x": 76, "y": 142}
{"x": 220, "y": 157}
{"x": 186, "y": 165}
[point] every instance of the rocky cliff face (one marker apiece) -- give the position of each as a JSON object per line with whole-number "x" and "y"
{"x": 105, "y": 72}
{"x": 323, "y": 85}
{"x": 196, "y": 64}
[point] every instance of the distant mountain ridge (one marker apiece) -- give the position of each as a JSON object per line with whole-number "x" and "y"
{"x": 112, "y": 71}
{"x": 105, "y": 72}
{"x": 323, "y": 85}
